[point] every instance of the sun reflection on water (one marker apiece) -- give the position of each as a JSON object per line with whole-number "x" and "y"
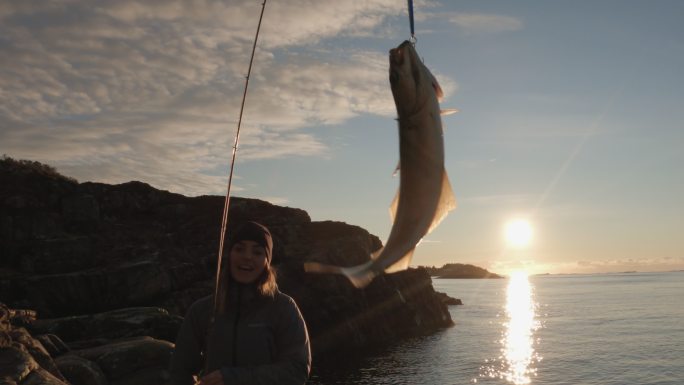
{"x": 516, "y": 363}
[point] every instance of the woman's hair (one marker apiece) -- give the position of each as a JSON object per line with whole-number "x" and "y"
{"x": 266, "y": 284}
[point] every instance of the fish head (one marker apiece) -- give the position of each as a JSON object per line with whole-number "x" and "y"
{"x": 413, "y": 85}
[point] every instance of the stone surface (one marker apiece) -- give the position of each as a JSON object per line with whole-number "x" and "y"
{"x": 53, "y": 344}
{"x": 18, "y": 366}
{"x": 80, "y": 249}
{"x": 449, "y": 300}
{"x": 80, "y": 371}
{"x": 35, "y": 349}
{"x": 127, "y": 322}
{"x": 128, "y": 357}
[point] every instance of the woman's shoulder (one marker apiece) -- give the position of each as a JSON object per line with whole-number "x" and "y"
{"x": 283, "y": 298}
{"x": 285, "y": 303}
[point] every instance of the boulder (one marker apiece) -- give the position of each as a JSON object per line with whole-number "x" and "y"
{"x": 115, "y": 324}
{"x": 449, "y": 301}
{"x": 101, "y": 289}
{"x": 17, "y": 366}
{"x": 80, "y": 371}
{"x": 34, "y": 348}
{"x": 59, "y": 255}
{"x": 130, "y": 357}
{"x": 53, "y": 344}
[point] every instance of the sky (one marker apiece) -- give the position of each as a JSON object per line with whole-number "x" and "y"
{"x": 571, "y": 114}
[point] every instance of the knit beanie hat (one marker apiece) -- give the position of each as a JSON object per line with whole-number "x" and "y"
{"x": 252, "y": 231}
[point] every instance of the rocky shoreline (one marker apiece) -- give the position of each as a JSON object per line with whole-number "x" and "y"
{"x": 111, "y": 269}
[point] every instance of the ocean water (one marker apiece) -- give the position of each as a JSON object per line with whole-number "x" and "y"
{"x": 554, "y": 329}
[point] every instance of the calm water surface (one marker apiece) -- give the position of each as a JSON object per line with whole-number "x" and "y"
{"x": 560, "y": 329}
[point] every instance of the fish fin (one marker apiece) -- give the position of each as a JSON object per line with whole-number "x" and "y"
{"x": 321, "y": 268}
{"x": 435, "y": 84}
{"x": 359, "y": 276}
{"x": 401, "y": 264}
{"x": 447, "y": 202}
{"x": 393, "y": 206}
{"x": 448, "y": 111}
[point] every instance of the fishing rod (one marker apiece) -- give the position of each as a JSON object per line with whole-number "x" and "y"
{"x": 226, "y": 205}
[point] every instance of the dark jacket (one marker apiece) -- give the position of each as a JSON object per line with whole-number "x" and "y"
{"x": 259, "y": 340}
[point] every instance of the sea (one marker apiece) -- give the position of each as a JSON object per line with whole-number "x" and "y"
{"x": 622, "y": 328}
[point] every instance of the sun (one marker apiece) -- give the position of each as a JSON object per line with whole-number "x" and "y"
{"x": 518, "y": 233}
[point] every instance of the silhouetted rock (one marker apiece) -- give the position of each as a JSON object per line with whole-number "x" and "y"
{"x": 23, "y": 359}
{"x": 19, "y": 367}
{"x": 97, "y": 262}
{"x": 115, "y": 324}
{"x": 131, "y": 361}
{"x": 449, "y": 300}
{"x": 80, "y": 371}
{"x": 53, "y": 344}
{"x": 460, "y": 270}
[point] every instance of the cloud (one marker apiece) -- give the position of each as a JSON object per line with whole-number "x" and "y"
{"x": 500, "y": 200}
{"x": 150, "y": 90}
{"x": 590, "y": 267}
{"x": 474, "y": 23}
{"x": 485, "y": 23}
{"x": 629, "y": 264}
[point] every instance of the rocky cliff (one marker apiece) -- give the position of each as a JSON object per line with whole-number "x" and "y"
{"x": 113, "y": 268}
{"x": 460, "y": 270}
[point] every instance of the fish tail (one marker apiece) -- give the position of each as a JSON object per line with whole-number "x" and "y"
{"x": 359, "y": 276}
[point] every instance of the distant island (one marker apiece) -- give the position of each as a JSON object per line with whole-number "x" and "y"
{"x": 459, "y": 270}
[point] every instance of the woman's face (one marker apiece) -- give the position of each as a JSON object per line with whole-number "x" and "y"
{"x": 247, "y": 261}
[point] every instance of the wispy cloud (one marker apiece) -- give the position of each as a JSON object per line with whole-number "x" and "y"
{"x": 475, "y": 23}
{"x": 150, "y": 90}
{"x": 485, "y": 23}
{"x": 590, "y": 267}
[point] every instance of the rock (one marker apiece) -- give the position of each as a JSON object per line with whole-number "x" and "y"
{"x": 341, "y": 317}
{"x": 148, "y": 376}
{"x": 53, "y": 344}
{"x": 72, "y": 250}
{"x": 80, "y": 211}
{"x": 96, "y": 290}
{"x": 126, "y": 358}
{"x": 127, "y": 322}
{"x": 461, "y": 271}
{"x": 62, "y": 255}
{"x": 448, "y": 300}
{"x": 36, "y": 350}
{"x": 80, "y": 371}
{"x": 16, "y": 363}
{"x": 18, "y": 366}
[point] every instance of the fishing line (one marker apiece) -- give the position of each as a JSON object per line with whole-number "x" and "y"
{"x": 413, "y": 30}
{"x": 226, "y": 205}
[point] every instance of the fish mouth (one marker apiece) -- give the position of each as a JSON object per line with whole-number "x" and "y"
{"x": 397, "y": 57}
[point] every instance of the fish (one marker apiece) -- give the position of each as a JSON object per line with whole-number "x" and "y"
{"x": 424, "y": 196}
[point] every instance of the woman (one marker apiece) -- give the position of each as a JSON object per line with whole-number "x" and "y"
{"x": 258, "y": 335}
